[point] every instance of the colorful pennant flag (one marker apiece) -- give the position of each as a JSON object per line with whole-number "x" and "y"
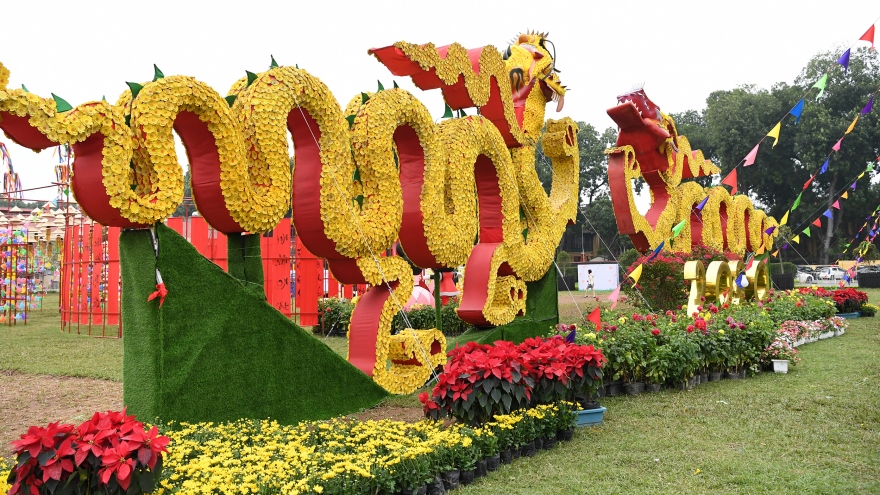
{"x": 796, "y": 111}
{"x": 596, "y": 318}
{"x": 784, "y": 219}
{"x": 615, "y": 294}
{"x": 807, "y": 184}
{"x": 657, "y": 250}
{"x": 636, "y": 274}
{"x": 817, "y": 222}
{"x": 829, "y": 214}
{"x": 770, "y": 230}
{"x": 860, "y": 176}
{"x": 844, "y": 60}
{"x": 806, "y": 232}
{"x": 821, "y": 85}
{"x": 853, "y": 186}
{"x": 775, "y": 253}
{"x": 851, "y": 126}
{"x": 750, "y": 158}
{"x": 836, "y": 205}
{"x": 702, "y": 203}
{"x": 869, "y": 106}
{"x": 869, "y": 36}
{"x": 796, "y": 239}
{"x": 774, "y": 133}
{"x": 678, "y": 228}
{"x": 824, "y": 167}
{"x": 845, "y": 195}
{"x": 797, "y": 201}
{"x": 730, "y": 180}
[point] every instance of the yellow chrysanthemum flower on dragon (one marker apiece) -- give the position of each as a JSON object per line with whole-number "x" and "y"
{"x": 378, "y": 171}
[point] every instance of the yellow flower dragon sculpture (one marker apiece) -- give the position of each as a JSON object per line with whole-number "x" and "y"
{"x": 378, "y": 171}
{"x": 649, "y": 147}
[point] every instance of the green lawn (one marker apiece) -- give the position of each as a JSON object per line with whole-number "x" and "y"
{"x": 40, "y": 347}
{"x": 814, "y": 430}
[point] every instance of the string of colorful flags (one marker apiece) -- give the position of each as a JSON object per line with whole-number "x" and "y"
{"x": 875, "y": 228}
{"x": 731, "y": 180}
{"x": 863, "y": 247}
{"x": 795, "y": 238}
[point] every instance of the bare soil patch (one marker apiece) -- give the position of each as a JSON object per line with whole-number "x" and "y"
{"x": 27, "y": 400}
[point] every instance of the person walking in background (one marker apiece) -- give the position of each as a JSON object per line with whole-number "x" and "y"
{"x": 591, "y": 283}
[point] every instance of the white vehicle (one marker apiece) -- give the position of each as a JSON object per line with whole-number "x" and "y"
{"x": 831, "y": 273}
{"x": 804, "y": 277}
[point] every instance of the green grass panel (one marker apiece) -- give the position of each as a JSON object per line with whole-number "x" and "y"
{"x": 217, "y": 351}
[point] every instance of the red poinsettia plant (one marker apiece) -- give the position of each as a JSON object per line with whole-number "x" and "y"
{"x": 849, "y": 300}
{"x": 482, "y": 380}
{"x": 111, "y": 453}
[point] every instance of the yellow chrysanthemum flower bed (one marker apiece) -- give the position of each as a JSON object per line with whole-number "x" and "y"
{"x": 337, "y": 456}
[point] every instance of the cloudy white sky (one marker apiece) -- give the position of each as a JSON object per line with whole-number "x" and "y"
{"x": 681, "y": 50}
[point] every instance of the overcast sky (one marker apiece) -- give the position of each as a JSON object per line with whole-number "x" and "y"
{"x": 682, "y": 50}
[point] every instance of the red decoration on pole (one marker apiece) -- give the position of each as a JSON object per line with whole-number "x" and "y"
{"x": 160, "y": 292}
{"x": 730, "y": 180}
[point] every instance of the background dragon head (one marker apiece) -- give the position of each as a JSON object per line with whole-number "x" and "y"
{"x": 528, "y": 60}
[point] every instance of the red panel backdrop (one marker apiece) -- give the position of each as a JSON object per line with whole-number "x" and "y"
{"x": 113, "y": 293}
{"x": 275, "y": 246}
{"x": 308, "y": 269}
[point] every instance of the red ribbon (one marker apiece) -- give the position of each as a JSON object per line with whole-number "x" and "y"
{"x": 160, "y": 292}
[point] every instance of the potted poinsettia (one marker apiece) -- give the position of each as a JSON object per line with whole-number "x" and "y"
{"x": 111, "y": 453}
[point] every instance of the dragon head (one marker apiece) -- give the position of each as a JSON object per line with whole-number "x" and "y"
{"x": 528, "y": 60}
{"x": 647, "y": 108}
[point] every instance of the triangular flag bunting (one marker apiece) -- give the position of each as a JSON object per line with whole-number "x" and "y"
{"x": 817, "y": 222}
{"x": 678, "y": 228}
{"x": 869, "y": 36}
{"x": 844, "y": 60}
{"x": 750, "y": 158}
{"x": 806, "y": 232}
{"x": 807, "y": 184}
{"x": 824, "y": 167}
{"x": 784, "y": 219}
{"x": 447, "y": 112}
{"x": 657, "y": 250}
{"x": 615, "y": 294}
{"x": 829, "y": 214}
{"x": 702, "y": 203}
{"x": 836, "y": 205}
{"x": 272, "y": 64}
{"x": 595, "y": 317}
{"x": 836, "y": 146}
{"x": 797, "y": 201}
{"x": 730, "y": 180}
{"x": 821, "y": 85}
{"x": 796, "y": 239}
{"x": 775, "y": 253}
{"x": 870, "y": 106}
{"x": 157, "y": 74}
{"x": 797, "y": 110}
{"x": 852, "y": 126}
{"x": 853, "y": 186}
{"x": 636, "y": 274}
{"x": 774, "y": 133}
{"x": 845, "y": 195}
{"x": 770, "y": 230}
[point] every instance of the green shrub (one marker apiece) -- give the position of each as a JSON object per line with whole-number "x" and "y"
{"x": 628, "y": 258}
{"x": 787, "y": 267}
{"x": 335, "y": 315}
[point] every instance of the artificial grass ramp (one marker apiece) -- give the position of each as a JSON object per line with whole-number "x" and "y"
{"x": 217, "y": 351}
